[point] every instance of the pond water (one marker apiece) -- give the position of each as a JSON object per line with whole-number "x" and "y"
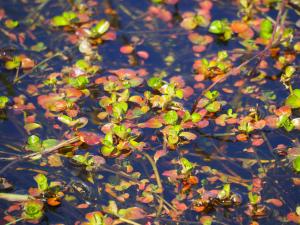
{"x": 170, "y": 150}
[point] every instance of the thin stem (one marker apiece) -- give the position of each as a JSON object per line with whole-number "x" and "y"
{"x": 36, "y": 154}
{"x": 15, "y": 221}
{"x": 36, "y": 66}
{"x": 128, "y": 221}
{"x": 158, "y": 180}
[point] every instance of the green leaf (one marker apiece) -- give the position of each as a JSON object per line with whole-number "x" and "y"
{"x": 69, "y": 15}
{"x": 217, "y": 27}
{"x": 48, "y": 143}
{"x": 266, "y": 29}
{"x": 196, "y": 117}
{"x": 226, "y": 188}
{"x": 289, "y": 71}
{"x": 60, "y": 21}
{"x": 82, "y": 64}
{"x": 33, "y": 140}
{"x": 188, "y": 135}
{"x": 79, "y": 82}
{"x": 211, "y": 95}
{"x": 171, "y": 117}
{"x": 64, "y": 20}
{"x": 155, "y": 82}
{"x": 11, "y": 24}
{"x": 40, "y": 46}
{"x": 15, "y": 63}
{"x": 95, "y": 218}
{"x": 66, "y": 120}
{"x": 179, "y": 93}
{"x": 108, "y": 139}
{"x": 107, "y": 150}
{"x": 80, "y": 159}
{"x": 119, "y": 108}
{"x": 157, "y": 1}
{"x": 100, "y": 28}
{"x": 120, "y": 131}
{"x": 293, "y": 100}
{"x": 3, "y": 101}
{"x": 187, "y": 166}
{"x": 41, "y": 181}
{"x": 296, "y": 164}
{"x": 253, "y": 198}
{"x": 31, "y": 126}
{"x": 222, "y": 55}
{"x": 213, "y": 107}
{"x": 33, "y": 210}
{"x": 225, "y": 192}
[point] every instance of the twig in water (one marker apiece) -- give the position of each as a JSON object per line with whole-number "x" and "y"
{"x": 39, "y": 154}
{"x": 158, "y": 181}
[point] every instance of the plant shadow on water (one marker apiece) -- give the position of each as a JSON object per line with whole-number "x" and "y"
{"x": 149, "y": 112}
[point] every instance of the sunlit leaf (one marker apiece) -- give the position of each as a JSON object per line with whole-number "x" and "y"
{"x": 41, "y": 181}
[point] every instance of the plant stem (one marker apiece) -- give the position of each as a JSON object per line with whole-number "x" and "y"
{"x": 15, "y": 221}
{"x": 35, "y": 154}
{"x": 128, "y": 221}
{"x": 158, "y": 180}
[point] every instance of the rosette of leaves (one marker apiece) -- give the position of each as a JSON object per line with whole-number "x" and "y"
{"x": 187, "y": 166}
{"x": 174, "y": 133}
{"x": 218, "y": 66}
{"x": 285, "y": 122}
{"x": 286, "y": 77}
{"x": 99, "y": 29}
{"x": 33, "y": 210}
{"x": 86, "y": 67}
{"x": 221, "y": 28}
{"x": 119, "y": 140}
{"x": 210, "y": 102}
{"x": 35, "y": 144}
{"x": 65, "y": 19}
{"x": 122, "y": 82}
{"x": 79, "y": 82}
{"x": 227, "y": 197}
{"x": 49, "y": 192}
{"x": 14, "y": 63}
{"x": 193, "y": 20}
{"x": 166, "y": 94}
{"x": 116, "y": 109}
{"x": 254, "y": 208}
{"x": 116, "y": 105}
{"x": 85, "y": 160}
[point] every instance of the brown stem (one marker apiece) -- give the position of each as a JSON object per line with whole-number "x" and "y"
{"x": 35, "y": 154}
{"x": 158, "y": 181}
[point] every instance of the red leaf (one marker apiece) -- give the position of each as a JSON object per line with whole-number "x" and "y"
{"x": 275, "y": 202}
{"x": 293, "y": 217}
{"x": 152, "y": 123}
{"x": 158, "y": 154}
{"x": 242, "y": 137}
{"x": 143, "y": 54}
{"x": 133, "y": 213}
{"x": 126, "y": 49}
{"x": 89, "y": 138}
